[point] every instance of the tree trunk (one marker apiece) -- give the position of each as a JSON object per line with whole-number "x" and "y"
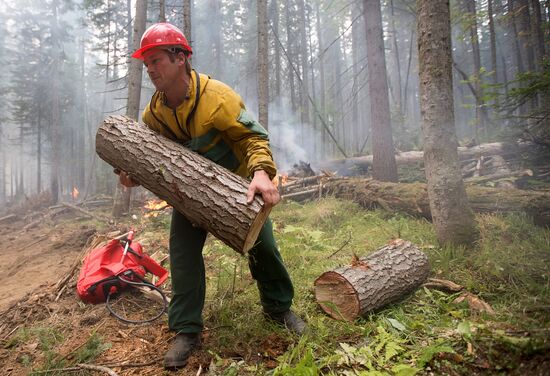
{"x": 384, "y": 167}
{"x": 538, "y": 34}
{"x": 480, "y": 125}
{"x": 356, "y": 39}
{"x": 39, "y": 150}
{"x": 263, "y": 61}
{"x": 322, "y": 89}
{"x": 493, "y": 45}
{"x": 2, "y": 171}
{"x": 209, "y": 195}
{"x": 162, "y": 10}
{"x": 56, "y": 110}
{"x": 187, "y": 21}
{"x": 398, "y": 91}
{"x": 370, "y": 283}
{"x": 290, "y": 53}
{"x": 515, "y": 36}
{"x": 452, "y": 217}
{"x": 216, "y": 30}
{"x": 412, "y": 198}
{"x": 123, "y": 194}
{"x": 274, "y": 14}
{"x": 304, "y": 62}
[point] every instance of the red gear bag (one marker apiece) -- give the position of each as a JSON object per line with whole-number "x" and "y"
{"x": 104, "y": 271}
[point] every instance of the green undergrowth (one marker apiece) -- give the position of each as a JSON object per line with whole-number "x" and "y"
{"x": 426, "y": 333}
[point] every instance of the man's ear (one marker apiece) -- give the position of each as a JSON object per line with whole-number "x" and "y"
{"x": 181, "y": 58}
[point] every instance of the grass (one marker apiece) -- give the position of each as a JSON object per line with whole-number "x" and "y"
{"x": 425, "y": 334}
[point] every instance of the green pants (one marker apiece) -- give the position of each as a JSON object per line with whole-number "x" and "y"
{"x": 188, "y": 278}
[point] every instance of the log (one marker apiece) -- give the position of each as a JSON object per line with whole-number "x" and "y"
{"x": 86, "y": 212}
{"x": 8, "y": 218}
{"x": 209, "y": 195}
{"x": 412, "y": 198}
{"x": 370, "y": 283}
{"x": 345, "y": 167}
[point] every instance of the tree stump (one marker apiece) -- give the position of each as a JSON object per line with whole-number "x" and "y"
{"x": 389, "y": 274}
{"x": 209, "y": 195}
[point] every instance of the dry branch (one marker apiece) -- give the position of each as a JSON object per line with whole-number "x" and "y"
{"x": 98, "y": 368}
{"x": 443, "y": 285}
{"x": 8, "y": 218}
{"x": 209, "y": 195}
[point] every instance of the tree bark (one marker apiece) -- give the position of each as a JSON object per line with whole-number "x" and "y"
{"x": 452, "y": 216}
{"x": 209, "y": 195}
{"x": 384, "y": 167}
{"x": 263, "y": 61}
{"x": 388, "y": 275}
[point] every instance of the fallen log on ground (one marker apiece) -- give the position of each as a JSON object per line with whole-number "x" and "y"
{"x": 209, "y": 195}
{"x": 8, "y": 218}
{"x": 372, "y": 282}
{"x": 345, "y": 167}
{"x": 412, "y": 198}
{"x": 86, "y": 212}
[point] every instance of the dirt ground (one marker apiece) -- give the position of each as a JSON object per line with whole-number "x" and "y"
{"x": 35, "y": 257}
{"x": 33, "y": 262}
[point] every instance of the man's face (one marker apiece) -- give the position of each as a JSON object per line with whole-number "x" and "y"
{"x": 161, "y": 70}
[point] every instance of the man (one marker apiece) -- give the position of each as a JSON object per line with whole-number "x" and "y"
{"x": 208, "y": 117}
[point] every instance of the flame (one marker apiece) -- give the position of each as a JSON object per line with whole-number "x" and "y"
{"x": 75, "y": 193}
{"x": 155, "y": 205}
{"x": 283, "y": 178}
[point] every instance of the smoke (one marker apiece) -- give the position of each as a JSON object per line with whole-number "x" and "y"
{"x": 291, "y": 141}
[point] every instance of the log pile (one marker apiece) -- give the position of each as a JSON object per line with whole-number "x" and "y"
{"x": 370, "y": 283}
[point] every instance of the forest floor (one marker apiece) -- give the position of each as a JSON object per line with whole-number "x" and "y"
{"x": 46, "y": 330}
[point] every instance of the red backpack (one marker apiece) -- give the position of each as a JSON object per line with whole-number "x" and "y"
{"x": 105, "y": 271}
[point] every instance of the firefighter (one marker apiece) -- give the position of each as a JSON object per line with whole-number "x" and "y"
{"x": 210, "y": 118}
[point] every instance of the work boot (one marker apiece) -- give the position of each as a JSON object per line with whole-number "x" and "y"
{"x": 182, "y": 347}
{"x": 289, "y": 320}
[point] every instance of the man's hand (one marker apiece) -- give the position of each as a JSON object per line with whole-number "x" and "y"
{"x": 125, "y": 179}
{"x": 263, "y": 185}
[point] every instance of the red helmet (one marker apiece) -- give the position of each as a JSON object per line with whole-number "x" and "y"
{"x": 161, "y": 34}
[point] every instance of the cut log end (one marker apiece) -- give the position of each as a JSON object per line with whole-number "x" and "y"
{"x": 255, "y": 229}
{"x": 385, "y": 276}
{"x": 336, "y": 296}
